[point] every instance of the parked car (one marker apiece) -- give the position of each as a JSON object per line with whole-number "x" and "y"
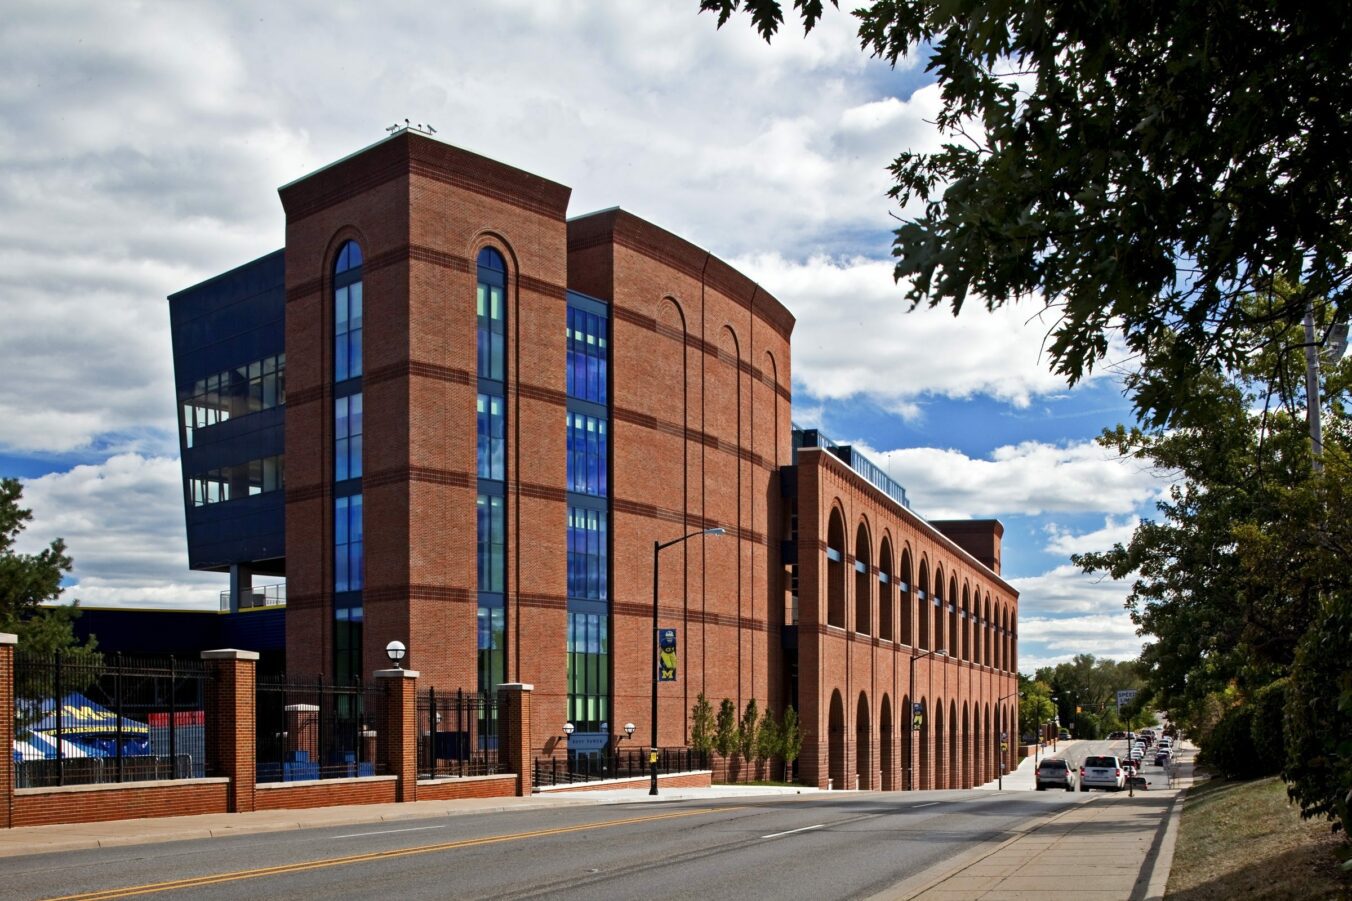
{"x": 1056, "y": 773}
{"x": 1103, "y": 771}
{"x": 1116, "y": 736}
{"x": 1162, "y": 758}
{"x": 1063, "y": 735}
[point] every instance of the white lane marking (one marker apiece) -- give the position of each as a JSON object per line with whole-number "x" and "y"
{"x": 792, "y": 831}
{"x": 930, "y": 804}
{"x": 389, "y": 831}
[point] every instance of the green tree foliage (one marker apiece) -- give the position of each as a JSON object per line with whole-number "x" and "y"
{"x": 1035, "y": 705}
{"x": 1139, "y": 169}
{"x": 748, "y": 731}
{"x": 767, "y": 737}
{"x": 726, "y": 736}
{"x": 1319, "y": 716}
{"x": 1268, "y": 730}
{"x": 790, "y": 741}
{"x": 1090, "y": 684}
{"x": 702, "y": 725}
{"x": 28, "y": 581}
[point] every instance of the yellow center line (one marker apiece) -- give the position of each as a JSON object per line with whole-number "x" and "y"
{"x": 199, "y": 881}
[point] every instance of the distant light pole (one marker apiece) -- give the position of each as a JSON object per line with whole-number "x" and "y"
{"x": 914, "y": 657}
{"x": 1056, "y": 721}
{"x": 658, "y": 546}
{"x": 1004, "y": 748}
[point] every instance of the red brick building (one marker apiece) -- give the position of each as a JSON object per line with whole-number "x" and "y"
{"x": 490, "y": 413}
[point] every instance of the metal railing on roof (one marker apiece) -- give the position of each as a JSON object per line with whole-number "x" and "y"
{"x": 260, "y": 596}
{"x": 852, "y": 458}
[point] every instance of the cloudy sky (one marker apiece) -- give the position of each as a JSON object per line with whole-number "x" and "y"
{"x": 141, "y": 145}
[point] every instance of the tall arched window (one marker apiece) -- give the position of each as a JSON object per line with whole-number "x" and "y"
{"x": 349, "y": 563}
{"x": 347, "y": 318}
{"x": 492, "y": 321}
{"x": 492, "y": 428}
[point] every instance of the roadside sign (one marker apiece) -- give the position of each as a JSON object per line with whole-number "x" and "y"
{"x": 1125, "y": 697}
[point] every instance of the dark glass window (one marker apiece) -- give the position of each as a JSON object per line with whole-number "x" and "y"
{"x": 240, "y": 480}
{"x": 348, "y": 561}
{"x": 347, "y": 629}
{"x": 492, "y": 648}
{"x": 492, "y": 543}
{"x": 588, "y": 671}
{"x": 222, "y": 396}
{"x": 586, "y": 356}
{"x": 492, "y": 437}
{"x": 587, "y": 556}
{"x": 347, "y": 437}
{"x": 586, "y": 454}
{"x": 492, "y": 324}
{"x": 347, "y": 313}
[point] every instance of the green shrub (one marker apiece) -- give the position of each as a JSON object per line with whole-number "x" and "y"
{"x": 767, "y": 738}
{"x": 1319, "y": 716}
{"x": 702, "y": 725}
{"x": 726, "y": 738}
{"x": 1269, "y": 730}
{"x": 1229, "y": 748}
{"x": 748, "y": 731}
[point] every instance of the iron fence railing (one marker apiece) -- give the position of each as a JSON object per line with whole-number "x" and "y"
{"x": 458, "y": 734}
{"x": 315, "y": 730}
{"x": 86, "y": 718}
{"x": 628, "y": 763}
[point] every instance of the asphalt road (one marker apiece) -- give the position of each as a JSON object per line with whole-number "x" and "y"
{"x": 820, "y": 846}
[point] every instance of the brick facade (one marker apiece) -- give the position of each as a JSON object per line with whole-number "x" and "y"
{"x": 699, "y": 437}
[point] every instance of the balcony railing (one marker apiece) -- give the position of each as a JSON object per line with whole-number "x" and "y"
{"x": 261, "y": 596}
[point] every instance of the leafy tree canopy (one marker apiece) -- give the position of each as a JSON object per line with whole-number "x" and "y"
{"x": 1139, "y": 168}
{"x": 27, "y": 581}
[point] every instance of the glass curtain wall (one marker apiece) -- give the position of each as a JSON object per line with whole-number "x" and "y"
{"x": 588, "y": 476}
{"x": 349, "y": 561}
{"x": 492, "y": 469}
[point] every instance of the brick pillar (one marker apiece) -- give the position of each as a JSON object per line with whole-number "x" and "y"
{"x": 231, "y": 724}
{"x": 8, "y": 642}
{"x": 397, "y": 741}
{"x": 514, "y": 733}
{"x": 302, "y": 733}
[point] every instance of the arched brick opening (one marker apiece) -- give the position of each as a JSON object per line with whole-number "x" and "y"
{"x": 907, "y": 593}
{"x": 954, "y": 626}
{"x": 835, "y": 571}
{"x": 922, "y": 616}
{"x": 863, "y": 745}
{"x": 886, "y": 742}
{"x": 940, "y": 747}
{"x": 886, "y": 596}
{"x": 863, "y": 581}
{"x": 926, "y": 774}
{"x": 907, "y": 736}
{"x": 937, "y": 612}
{"x": 954, "y": 755}
{"x": 835, "y": 749}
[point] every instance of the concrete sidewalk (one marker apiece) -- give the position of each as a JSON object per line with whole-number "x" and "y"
{"x": 1111, "y": 846}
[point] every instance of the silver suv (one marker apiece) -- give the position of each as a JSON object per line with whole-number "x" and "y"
{"x": 1102, "y": 772}
{"x": 1055, "y": 772}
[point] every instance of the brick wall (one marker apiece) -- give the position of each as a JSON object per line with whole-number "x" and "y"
{"x": 700, "y": 779}
{"x": 503, "y": 786}
{"x": 100, "y": 803}
{"x": 326, "y": 793}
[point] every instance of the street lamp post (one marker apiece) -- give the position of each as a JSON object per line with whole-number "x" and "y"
{"x": 658, "y": 546}
{"x": 941, "y": 652}
{"x": 1003, "y": 737}
{"x": 1056, "y": 722}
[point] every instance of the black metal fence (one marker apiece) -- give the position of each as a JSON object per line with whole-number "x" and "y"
{"x": 616, "y": 764}
{"x": 458, "y": 734}
{"x": 83, "y": 719}
{"x": 316, "y": 730}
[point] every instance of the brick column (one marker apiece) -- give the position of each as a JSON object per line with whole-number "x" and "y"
{"x": 8, "y": 642}
{"x": 232, "y": 724}
{"x": 397, "y": 741}
{"x": 514, "y": 733}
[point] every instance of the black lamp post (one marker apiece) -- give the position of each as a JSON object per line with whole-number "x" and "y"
{"x": 910, "y": 775}
{"x": 1004, "y": 736}
{"x": 657, "y": 549}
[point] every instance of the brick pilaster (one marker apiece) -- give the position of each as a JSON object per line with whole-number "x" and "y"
{"x": 232, "y": 724}
{"x": 514, "y": 733}
{"x": 8, "y": 642}
{"x": 397, "y": 741}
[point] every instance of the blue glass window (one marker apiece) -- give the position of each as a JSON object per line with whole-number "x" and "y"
{"x": 586, "y": 454}
{"x": 347, "y": 437}
{"x": 347, "y": 315}
{"x": 348, "y": 560}
{"x": 587, "y": 556}
{"x": 492, "y": 437}
{"x": 492, "y": 527}
{"x": 492, "y": 325}
{"x": 586, "y": 377}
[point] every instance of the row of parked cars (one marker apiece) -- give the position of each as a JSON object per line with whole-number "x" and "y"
{"x": 1107, "y": 771}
